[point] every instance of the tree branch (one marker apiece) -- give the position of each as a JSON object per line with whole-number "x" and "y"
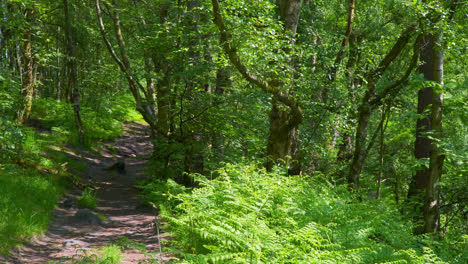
{"x": 226, "y": 41}
{"x": 344, "y": 43}
{"x": 123, "y": 63}
{"x": 394, "y": 52}
{"x": 391, "y": 89}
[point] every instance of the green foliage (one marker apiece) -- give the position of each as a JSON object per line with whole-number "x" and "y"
{"x": 162, "y": 193}
{"x": 11, "y": 139}
{"x": 88, "y": 199}
{"x": 26, "y": 201}
{"x": 110, "y": 254}
{"x": 105, "y": 124}
{"x": 30, "y": 185}
{"x": 246, "y": 215}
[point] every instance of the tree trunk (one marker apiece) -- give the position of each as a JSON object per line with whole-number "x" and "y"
{"x": 58, "y": 94}
{"x": 72, "y": 75}
{"x": 360, "y": 150}
{"x": 222, "y": 82}
{"x": 28, "y": 74}
{"x": 282, "y": 144}
{"x": 282, "y": 141}
{"x": 384, "y": 119}
{"x": 423, "y": 124}
{"x": 432, "y": 202}
{"x": 143, "y": 103}
{"x": 346, "y": 148}
{"x": 372, "y": 99}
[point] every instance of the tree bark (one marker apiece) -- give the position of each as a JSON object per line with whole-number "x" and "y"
{"x": 423, "y": 124}
{"x": 432, "y": 202}
{"x": 72, "y": 75}
{"x": 422, "y": 145}
{"x": 282, "y": 143}
{"x": 28, "y": 69}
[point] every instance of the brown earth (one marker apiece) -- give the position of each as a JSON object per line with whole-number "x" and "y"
{"x": 68, "y": 238}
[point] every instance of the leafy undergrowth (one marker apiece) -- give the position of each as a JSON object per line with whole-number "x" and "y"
{"x": 101, "y": 124}
{"x": 31, "y": 180}
{"x": 110, "y": 254}
{"x": 247, "y": 215}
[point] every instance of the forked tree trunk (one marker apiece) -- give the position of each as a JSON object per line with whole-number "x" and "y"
{"x": 282, "y": 145}
{"x": 286, "y": 114}
{"x": 373, "y": 99}
{"x": 140, "y": 93}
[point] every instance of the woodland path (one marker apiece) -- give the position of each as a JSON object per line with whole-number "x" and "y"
{"x": 126, "y": 215}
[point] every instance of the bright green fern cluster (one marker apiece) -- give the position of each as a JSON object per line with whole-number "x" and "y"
{"x": 247, "y": 215}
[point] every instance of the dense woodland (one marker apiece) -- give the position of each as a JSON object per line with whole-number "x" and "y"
{"x": 284, "y": 131}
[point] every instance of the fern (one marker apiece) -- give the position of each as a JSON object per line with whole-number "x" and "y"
{"x": 247, "y": 215}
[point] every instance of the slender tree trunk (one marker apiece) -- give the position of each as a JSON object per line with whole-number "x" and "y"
{"x": 384, "y": 119}
{"x": 340, "y": 55}
{"x": 432, "y": 202}
{"x": 222, "y": 82}
{"x": 17, "y": 60}
{"x": 58, "y": 94}
{"x": 373, "y": 99}
{"x": 360, "y": 150}
{"x": 346, "y": 148}
{"x": 142, "y": 105}
{"x": 163, "y": 92}
{"x": 28, "y": 69}
{"x": 72, "y": 75}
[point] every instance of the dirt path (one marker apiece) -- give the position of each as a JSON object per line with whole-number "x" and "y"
{"x": 68, "y": 237}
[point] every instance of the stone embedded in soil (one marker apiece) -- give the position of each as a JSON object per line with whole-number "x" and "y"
{"x": 86, "y": 216}
{"x": 69, "y": 202}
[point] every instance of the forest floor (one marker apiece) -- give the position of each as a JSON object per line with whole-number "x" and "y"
{"x": 69, "y": 238}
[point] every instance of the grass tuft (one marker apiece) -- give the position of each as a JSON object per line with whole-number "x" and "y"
{"x": 88, "y": 199}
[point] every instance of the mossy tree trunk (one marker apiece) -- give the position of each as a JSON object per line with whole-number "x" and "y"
{"x": 28, "y": 75}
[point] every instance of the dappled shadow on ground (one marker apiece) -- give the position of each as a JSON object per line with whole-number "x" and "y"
{"x": 126, "y": 216}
